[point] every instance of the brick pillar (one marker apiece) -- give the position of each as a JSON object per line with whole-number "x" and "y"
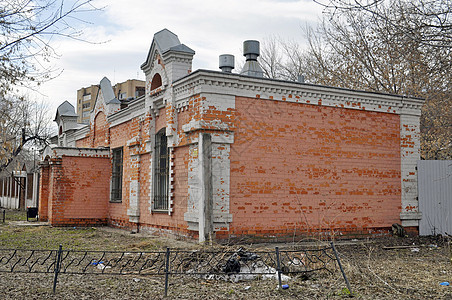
{"x": 410, "y": 154}
{"x": 44, "y": 192}
{"x": 56, "y": 191}
{"x": 134, "y": 188}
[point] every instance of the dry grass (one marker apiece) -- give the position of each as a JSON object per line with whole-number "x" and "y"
{"x": 374, "y": 273}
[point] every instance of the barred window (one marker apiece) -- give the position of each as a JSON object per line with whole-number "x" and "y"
{"x": 116, "y": 176}
{"x": 161, "y": 172}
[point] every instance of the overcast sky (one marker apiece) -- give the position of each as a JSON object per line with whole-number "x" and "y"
{"x": 125, "y": 29}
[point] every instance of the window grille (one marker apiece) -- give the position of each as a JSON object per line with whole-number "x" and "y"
{"x": 116, "y": 176}
{"x": 161, "y": 171}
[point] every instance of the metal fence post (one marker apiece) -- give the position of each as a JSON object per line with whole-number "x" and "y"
{"x": 167, "y": 268}
{"x": 278, "y": 266}
{"x": 57, "y": 267}
{"x": 4, "y": 215}
{"x": 340, "y": 267}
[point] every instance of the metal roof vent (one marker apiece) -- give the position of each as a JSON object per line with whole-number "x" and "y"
{"x": 251, "y": 52}
{"x": 300, "y": 78}
{"x": 226, "y": 63}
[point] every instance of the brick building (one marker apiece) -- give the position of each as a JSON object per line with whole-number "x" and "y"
{"x": 217, "y": 154}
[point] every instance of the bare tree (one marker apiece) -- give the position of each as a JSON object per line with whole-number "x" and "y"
{"x": 23, "y": 124}
{"x": 428, "y": 22}
{"x": 281, "y": 59}
{"x": 394, "y": 47}
{"x": 397, "y": 47}
{"x": 27, "y": 28}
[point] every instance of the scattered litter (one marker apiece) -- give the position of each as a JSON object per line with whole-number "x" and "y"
{"x": 285, "y": 286}
{"x": 414, "y": 249}
{"x": 99, "y": 264}
{"x": 233, "y": 263}
{"x": 397, "y": 247}
{"x": 137, "y": 279}
{"x": 445, "y": 283}
{"x": 398, "y": 230}
{"x": 297, "y": 262}
{"x": 247, "y": 287}
{"x": 243, "y": 265}
{"x": 267, "y": 269}
{"x": 315, "y": 286}
{"x": 433, "y": 246}
{"x": 95, "y": 262}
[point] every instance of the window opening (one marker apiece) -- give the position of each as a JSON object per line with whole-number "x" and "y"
{"x": 116, "y": 176}
{"x": 156, "y": 81}
{"x": 161, "y": 171}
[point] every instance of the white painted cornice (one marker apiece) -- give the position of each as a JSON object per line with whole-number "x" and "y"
{"x": 203, "y": 81}
{"x": 135, "y": 109}
{"x": 79, "y": 133}
{"x": 57, "y": 152}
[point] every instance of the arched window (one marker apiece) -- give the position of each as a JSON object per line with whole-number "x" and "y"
{"x": 161, "y": 171}
{"x": 60, "y": 132}
{"x": 156, "y": 81}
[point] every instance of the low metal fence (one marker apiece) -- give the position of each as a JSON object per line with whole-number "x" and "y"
{"x": 236, "y": 265}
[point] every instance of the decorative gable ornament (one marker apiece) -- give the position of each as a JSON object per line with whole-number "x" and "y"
{"x": 167, "y": 61}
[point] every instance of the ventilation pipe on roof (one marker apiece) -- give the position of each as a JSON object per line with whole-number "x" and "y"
{"x": 300, "y": 78}
{"x": 251, "y": 52}
{"x": 226, "y": 63}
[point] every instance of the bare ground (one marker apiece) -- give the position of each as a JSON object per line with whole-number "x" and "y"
{"x": 373, "y": 272}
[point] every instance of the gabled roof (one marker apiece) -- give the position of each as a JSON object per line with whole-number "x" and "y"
{"x": 165, "y": 41}
{"x": 107, "y": 91}
{"x": 65, "y": 109}
{"x": 182, "y": 48}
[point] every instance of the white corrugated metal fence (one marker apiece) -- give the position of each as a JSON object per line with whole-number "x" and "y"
{"x": 435, "y": 196}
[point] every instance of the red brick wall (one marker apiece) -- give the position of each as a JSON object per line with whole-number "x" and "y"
{"x": 144, "y": 188}
{"x": 44, "y": 193}
{"x": 161, "y": 220}
{"x": 80, "y": 191}
{"x": 297, "y": 167}
{"x": 160, "y": 121}
{"x": 117, "y": 212}
{"x": 100, "y": 130}
{"x": 84, "y": 143}
{"x": 175, "y": 221}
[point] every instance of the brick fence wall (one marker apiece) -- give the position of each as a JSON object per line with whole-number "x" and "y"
{"x": 80, "y": 192}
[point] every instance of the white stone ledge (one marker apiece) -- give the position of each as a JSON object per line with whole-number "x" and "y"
{"x": 211, "y": 82}
{"x": 53, "y": 151}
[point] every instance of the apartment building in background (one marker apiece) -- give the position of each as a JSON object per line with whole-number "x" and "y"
{"x": 124, "y": 92}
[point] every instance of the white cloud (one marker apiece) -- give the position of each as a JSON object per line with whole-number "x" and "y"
{"x": 210, "y": 28}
